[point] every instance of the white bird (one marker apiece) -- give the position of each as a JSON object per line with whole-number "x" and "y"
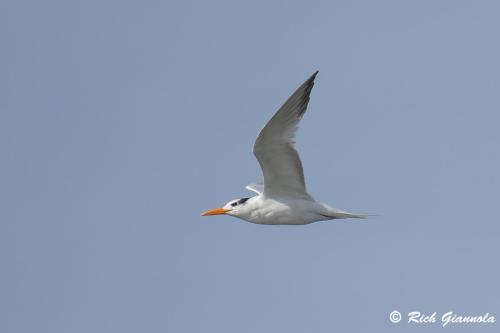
{"x": 283, "y": 199}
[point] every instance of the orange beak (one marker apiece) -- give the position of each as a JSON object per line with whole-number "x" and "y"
{"x": 216, "y": 211}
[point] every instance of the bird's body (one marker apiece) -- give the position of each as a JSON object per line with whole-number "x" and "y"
{"x": 283, "y": 199}
{"x": 262, "y": 210}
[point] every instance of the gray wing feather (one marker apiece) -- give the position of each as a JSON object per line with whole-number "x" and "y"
{"x": 274, "y": 147}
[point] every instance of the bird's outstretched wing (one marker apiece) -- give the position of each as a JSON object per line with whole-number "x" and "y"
{"x": 275, "y": 151}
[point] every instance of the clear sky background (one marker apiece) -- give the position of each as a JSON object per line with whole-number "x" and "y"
{"x": 121, "y": 121}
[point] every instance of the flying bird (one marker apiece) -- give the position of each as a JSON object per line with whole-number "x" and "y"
{"x": 283, "y": 198}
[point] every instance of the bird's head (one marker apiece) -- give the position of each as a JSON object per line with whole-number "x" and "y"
{"x": 236, "y": 207}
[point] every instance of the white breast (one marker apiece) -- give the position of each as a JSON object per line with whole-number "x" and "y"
{"x": 271, "y": 211}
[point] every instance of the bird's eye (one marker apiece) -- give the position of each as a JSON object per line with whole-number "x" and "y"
{"x": 234, "y": 204}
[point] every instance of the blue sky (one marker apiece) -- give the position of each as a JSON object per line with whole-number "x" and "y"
{"x": 122, "y": 121}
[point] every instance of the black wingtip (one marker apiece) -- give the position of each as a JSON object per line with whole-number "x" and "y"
{"x": 310, "y": 82}
{"x": 313, "y": 76}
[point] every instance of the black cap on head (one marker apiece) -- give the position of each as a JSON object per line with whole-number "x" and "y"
{"x": 243, "y": 200}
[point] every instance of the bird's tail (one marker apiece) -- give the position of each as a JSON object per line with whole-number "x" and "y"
{"x": 345, "y": 215}
{"x": 340, "y": 214}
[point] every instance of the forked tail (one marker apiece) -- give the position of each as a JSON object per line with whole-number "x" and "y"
{"x": 340, "y": 214}
{"x": 346, "y": 215}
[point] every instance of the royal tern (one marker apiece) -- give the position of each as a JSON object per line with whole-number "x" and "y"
{"x": 283, "y": 198}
